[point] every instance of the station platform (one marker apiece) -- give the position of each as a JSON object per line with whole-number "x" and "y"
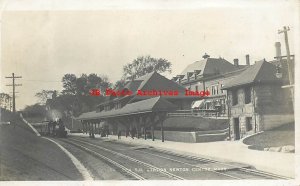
{"x": 229, "y": 151}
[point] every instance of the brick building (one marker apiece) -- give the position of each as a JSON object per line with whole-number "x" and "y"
{"x": 210, "y": 74}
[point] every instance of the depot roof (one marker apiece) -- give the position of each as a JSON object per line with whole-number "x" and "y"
{"x": 158, "y": 104}
{"x": 151, "y": 81}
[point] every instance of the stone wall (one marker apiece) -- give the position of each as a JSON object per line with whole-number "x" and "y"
{"x": 270, "y": 107}
{"x": 272, "y": 99}
{"x": 193, "y": 137}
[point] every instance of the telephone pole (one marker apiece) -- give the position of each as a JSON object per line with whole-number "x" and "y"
{"x": 13, "y": 77}
{"x": 288, "y": 55}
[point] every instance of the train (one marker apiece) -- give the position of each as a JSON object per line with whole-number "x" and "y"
{"x": 56, "y": 128}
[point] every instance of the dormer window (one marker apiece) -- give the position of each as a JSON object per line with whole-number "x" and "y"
{"x": 189, "y": 74}
{"x": 196, "y": 73}
{"x": 180, "y": 78}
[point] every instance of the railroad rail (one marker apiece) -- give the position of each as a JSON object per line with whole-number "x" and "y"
{"x": 118, "y": 165}
{"x": 233, "y": 173}
{"x": 248, "y": 170}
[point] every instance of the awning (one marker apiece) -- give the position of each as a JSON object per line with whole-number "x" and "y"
{"x": 198, "y": 104}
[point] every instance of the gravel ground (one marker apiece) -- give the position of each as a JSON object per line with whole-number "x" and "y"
{"x": 24, "y": 156}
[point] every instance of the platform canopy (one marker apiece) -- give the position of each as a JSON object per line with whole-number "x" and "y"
{"x": 156, "y": 104}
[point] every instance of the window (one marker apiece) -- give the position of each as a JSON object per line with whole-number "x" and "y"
{"x": 196, "y": 87}
{"x": 214, "y": 90}
{"x": 222, "y": 91}
{"x": 234, "y": 97}
{"x": 207, "y": 89}
{"x": 248, "y": 123}
{"x": 247, "y": 92}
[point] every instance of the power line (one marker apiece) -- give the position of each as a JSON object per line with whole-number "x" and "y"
{"x": 13, "y": 77}
{"x": 46, "y": 81}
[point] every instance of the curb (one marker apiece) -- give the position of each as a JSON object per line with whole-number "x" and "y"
{"x": 33, "y": 129}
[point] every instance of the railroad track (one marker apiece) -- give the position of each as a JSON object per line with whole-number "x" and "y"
{"x": 127, "y": 171}
{"x": 242, "y": 169}
{"x": 233, "y": 173}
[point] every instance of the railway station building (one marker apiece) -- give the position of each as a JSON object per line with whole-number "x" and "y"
{"x": 243, "y": 99}
{"x": 138, "y": 112}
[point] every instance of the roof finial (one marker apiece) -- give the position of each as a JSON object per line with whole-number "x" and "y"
{"x": 205, "y": 56}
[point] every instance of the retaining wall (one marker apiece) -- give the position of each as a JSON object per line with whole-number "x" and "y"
{"x": 193, "y": 137}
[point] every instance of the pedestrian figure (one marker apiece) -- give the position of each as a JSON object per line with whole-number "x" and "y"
{"x": 119, "y": 135}
{"x": 133, "y": 131}
{"x": 49, "y": 127}
{"x": 53, "y": 128}
{"x": 107, "y": 132}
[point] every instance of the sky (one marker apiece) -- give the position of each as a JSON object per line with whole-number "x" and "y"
{"x": 42, "y": 42}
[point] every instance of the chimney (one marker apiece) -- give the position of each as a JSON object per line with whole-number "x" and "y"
{"x": 278, "y": 49}
{"x": 205, "y": 56}
{"x": 236, "y": 62}
{"x": 247, "y": 60}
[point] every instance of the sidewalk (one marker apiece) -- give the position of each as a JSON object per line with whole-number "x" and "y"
{"x": 234, "y": 151}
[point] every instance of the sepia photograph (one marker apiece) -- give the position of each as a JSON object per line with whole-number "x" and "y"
{"x": 137, "y": 91}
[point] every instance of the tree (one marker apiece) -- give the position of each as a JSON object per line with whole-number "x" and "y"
{"x": 82, "y": 85}
{"x": 69, "y": 84}
{"x": 45, "y": 94}
{"x": 5, "y": 100}
{"x": 97, "y": 82}
{"x": 119, "y": 84}
{"x": 145, "y": 64}
{"x": 35, "y": 110}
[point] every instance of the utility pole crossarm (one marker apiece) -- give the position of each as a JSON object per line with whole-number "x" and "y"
{"x": 14, "y": 85}
{"x": 285, "y": 29}
{"x": 14, "y": 77}
{"x": 289, "y": 65}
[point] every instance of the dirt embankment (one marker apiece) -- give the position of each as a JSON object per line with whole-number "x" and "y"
{"x": 25, "y": 156}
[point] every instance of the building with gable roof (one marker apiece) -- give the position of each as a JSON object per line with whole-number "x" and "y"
{"x": 138, "y": 113}
{"x": 249, "y": 96}
{"x": 210, "y": 74}
{"x": 257, "y": 101}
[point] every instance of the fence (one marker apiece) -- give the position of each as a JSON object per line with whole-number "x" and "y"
{"x": 205, "y": 113}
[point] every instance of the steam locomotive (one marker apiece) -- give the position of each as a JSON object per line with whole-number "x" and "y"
{"x": 56, "y": 128}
